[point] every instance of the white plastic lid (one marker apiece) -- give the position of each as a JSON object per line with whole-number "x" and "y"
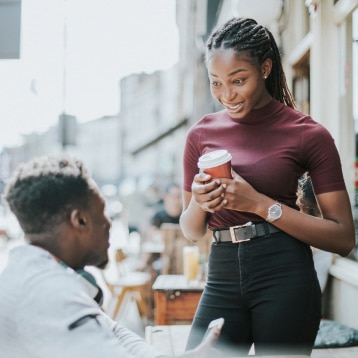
{"x": 213, "y": 159}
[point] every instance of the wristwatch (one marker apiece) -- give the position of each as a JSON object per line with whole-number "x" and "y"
{"x": 274, "y": 212}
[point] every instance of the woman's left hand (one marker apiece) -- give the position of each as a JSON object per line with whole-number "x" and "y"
{"x": 239, "y": 194}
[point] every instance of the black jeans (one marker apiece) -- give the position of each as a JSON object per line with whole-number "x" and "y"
{"x": 268, "y": 293}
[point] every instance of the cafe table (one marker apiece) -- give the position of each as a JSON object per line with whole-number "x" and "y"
{"x": 175, "y": 299}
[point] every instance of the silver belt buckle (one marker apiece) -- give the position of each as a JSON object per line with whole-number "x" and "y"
{"x": 232, "y": 233}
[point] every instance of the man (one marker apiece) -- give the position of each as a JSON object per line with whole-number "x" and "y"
{"x": 47, "y": 300}
{"x": 172, "y": 207}
{"x": 168, "y": 213}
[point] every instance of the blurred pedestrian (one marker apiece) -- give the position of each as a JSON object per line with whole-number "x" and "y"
{"x": 168, "y": 213}
{"x": 172, "y": 206}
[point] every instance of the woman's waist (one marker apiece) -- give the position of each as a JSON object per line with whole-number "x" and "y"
{"x": 243, "y": 233}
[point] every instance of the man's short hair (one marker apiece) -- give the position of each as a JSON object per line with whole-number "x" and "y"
{"x": 43, "y": 192}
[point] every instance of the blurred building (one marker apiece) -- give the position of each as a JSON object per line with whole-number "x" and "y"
{"x": 152, "y": 125}
{"x": 95, "y": 142}
{"x": 98, "y": 144}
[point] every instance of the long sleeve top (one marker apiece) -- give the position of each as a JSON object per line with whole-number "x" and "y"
{"x": 46, "y": 310}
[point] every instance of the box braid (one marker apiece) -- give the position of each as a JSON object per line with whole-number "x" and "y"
{"x": 244, "y": 34}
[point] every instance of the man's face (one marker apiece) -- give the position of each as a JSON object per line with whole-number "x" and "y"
{"x": 173, "y": 202}
{"x": 98, "y": 232}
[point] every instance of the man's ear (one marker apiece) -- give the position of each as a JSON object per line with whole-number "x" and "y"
{"x": 78, "y": 219}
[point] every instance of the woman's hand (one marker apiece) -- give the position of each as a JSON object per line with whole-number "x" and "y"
{"x": 239, "y": 194}
{"x": 209, "y": 195}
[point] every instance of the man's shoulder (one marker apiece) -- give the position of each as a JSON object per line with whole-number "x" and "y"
{"x": 33, "y": 270}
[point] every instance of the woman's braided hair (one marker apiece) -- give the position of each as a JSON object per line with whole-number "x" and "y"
{"x": 244, "y": 34}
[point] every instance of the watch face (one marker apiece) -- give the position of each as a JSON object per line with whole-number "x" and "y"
{"x": 274, "y": 212}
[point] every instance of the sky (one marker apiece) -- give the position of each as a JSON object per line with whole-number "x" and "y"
{"x": 73, "y": 54}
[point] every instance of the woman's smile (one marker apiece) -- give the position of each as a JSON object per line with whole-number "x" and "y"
{"x": 233, "y": 107}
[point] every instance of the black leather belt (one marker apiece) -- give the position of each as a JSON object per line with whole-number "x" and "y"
{"x": 241, "y": 233}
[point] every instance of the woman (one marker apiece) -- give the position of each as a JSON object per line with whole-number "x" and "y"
{"x": 263, "y": 282}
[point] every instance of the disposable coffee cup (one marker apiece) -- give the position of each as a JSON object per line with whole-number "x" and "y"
{"x": 216, "y": 163}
